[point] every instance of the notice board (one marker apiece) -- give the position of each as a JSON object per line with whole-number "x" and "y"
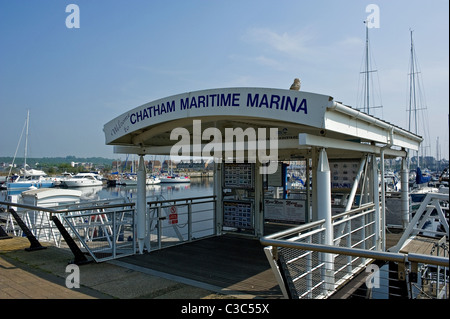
{"x": 238, "y": 175}
{"x": 238, "y": 214}
{"x": 285, "y": 210}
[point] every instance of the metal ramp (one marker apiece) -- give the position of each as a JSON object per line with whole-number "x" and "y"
{"x": 104, "y": 229}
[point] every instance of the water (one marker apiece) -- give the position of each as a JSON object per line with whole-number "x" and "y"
{"x": 196, "y": 188}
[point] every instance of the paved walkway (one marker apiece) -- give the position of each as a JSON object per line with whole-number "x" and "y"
{"x": 42, "y": 274}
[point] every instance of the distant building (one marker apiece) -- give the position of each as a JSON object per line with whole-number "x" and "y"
{"x": 192, "y": 165}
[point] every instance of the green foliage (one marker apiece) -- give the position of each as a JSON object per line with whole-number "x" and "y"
{"x": 58, "y": 165}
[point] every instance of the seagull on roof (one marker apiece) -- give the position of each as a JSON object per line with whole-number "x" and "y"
{"x": 296, "y": 85}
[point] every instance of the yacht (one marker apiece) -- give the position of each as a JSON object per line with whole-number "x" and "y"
{"x": 30, "y": 179}
{"x": 175, "y": 179}
{"x": 83, "y": 179}
{"x": 152, "y": 180}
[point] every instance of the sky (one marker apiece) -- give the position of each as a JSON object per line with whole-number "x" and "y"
{"x": 127, "y": 53}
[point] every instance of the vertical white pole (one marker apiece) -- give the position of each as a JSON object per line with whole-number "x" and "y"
{"x": 324, "y": 212}
{"x": 376, "y": 201}
{"x": 314, "y": 184}
{"x": 141, "y": 205}
{"x": 383, "y": 202}
{"x": 404, "y": 193}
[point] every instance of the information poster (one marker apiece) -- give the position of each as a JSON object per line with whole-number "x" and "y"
{"x": 238, "y": 214}
{"x": 343, "y": 173}
{"x": 238, "y": 175}
{"x": 285, "y": 210}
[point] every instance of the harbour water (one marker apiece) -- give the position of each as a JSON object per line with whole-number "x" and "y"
{"x": 196, "y": 188}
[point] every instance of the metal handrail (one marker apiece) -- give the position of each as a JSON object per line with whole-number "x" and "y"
{"x": 44, "y": 209}
{"x": 181, "y": 199}
{"x": 357, "y": 252}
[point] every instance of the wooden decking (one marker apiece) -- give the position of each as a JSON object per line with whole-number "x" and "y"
{"x": 424, "y": 245}
{"x": 231, "y": 262}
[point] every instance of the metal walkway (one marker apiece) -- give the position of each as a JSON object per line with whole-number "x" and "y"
{"x": 231, "y": 263}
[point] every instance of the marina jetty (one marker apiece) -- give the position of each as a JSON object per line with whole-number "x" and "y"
{"x": 255, "y": 237}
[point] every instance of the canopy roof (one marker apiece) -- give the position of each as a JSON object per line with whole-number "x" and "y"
{"x": 302, "y": 120}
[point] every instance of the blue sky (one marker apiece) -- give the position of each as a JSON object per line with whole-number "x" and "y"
{"x": 127, "y": 53}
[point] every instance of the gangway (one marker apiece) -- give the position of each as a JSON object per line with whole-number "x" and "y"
{"x": 298, "y": 255}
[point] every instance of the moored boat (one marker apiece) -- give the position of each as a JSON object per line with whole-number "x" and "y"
{"x": 175, "y": 179}
{"x": 30, "y": 179}
{"x": 152, "y": 180}
{"x": 82, "y": 180}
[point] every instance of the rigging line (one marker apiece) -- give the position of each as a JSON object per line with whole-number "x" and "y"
{"x": 17, "y": 148}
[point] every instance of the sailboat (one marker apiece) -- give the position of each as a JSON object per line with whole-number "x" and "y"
{"x": 171, "y": 178}
{"x": 422, "y": 178}
{"x": 28, "y": 179}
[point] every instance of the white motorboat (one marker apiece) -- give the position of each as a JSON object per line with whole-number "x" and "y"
{"x": 175, "y": 179}
{"x": 152, "y": 180}
{"x": 83, "y": 179}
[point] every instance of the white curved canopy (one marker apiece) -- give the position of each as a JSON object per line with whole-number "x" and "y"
{"x": 316, "y": 118}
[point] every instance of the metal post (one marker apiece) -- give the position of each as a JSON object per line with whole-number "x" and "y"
{"x": 351, "y": 197}
{"x": 141, "y": 205}
{"x": 404, "y": 193}
{"x": 113, "y": 235}
{"x": 383, "y": 202}
{"x": 376, "y": 201}
{"x": 314, "y": 184}
{"x": 308, "y": 192}
{"x": 324, "y": 212}
{"x": 258, "y": 204}
{"x": 159, "y": 226}
{"x": 190, "y": 221}
{"x": 218, "y": 192}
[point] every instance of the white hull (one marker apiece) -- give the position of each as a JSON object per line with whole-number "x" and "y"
{"x": 83, "y": 180}
{"x": 168, "y": 179}
{"x": 152, "y": 181}
{"x": 82, "y": 183}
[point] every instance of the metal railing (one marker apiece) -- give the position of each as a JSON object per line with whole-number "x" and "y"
{"x": 105, "y": 229}
{"x": 300, "y": 259}
{"x": 174, "y": 221}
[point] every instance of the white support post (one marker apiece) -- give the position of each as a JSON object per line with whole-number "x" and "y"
{"x": 324, "y": 212}
{"x": 376, "y": 200}
{"x": 383, "y": 202}
{"x": 404, "y": 193}
{"x": 314, "y": 185}
{"x": 141, "y": 206}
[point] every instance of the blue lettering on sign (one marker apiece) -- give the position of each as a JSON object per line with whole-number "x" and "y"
{"x": 152, "y": 111}
{"x": 254, "y": 100}
{"x": 277, "y": 102}
{"x": 210, "y": 100}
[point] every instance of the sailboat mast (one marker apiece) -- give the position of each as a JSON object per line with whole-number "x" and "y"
{"x": 413, "y": 120}
{"x": 26, "y": 144}
{"x": 367, "y": 86}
